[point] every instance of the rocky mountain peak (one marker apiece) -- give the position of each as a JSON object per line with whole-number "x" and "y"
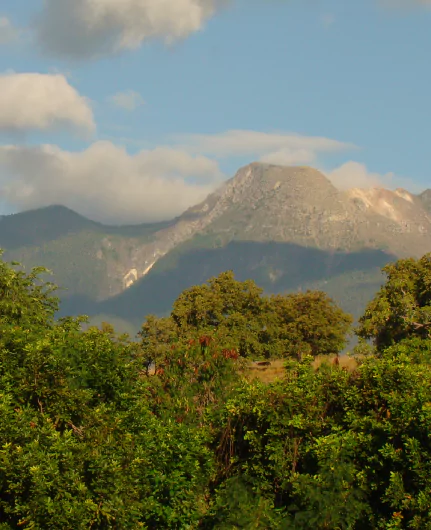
{"x": 399, "y": 206}
{"x": 262, "y": 203}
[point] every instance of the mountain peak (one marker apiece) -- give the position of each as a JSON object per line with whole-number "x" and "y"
{"x": 41, "y": 225}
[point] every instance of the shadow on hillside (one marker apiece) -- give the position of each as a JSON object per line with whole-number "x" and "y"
{"x": 276, "y": 267}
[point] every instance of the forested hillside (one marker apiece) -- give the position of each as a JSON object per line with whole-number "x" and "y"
{"x": 171, "y": 431}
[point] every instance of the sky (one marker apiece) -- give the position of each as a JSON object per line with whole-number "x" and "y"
{"x": 130, "y": 111}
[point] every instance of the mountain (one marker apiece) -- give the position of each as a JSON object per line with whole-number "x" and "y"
{"x": 288, "y": 228}
{"x": 300, "y": 205}
{"x": 425, "y": 198}
{"x": 87, "y": 258}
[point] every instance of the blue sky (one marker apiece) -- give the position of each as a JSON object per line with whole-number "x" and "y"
{"x": 338, "y": 85}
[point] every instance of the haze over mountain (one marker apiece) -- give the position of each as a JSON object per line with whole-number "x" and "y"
{"x": 288, "y": 228}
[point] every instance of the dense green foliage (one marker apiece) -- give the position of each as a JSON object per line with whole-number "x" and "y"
{"x": 333, "y": 449}
{"x": 402, "y": 307}
{"x": 240, "y": 317}
{"x": 80, "y": 444}
{"x": 89, "y": 439}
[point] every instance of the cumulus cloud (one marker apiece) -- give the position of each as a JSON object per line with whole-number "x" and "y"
{"x": 8, "y": 33}
{"x": 32, "y": 101}
{"x": 127, "y": 100}
{"x": 106, "y": 183}
{"x": 275, "y": 148}
{"x": 88, "y": 28}
{"x": 356, "y": 175}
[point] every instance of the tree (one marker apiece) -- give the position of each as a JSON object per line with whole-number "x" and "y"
{"x": 402, "y": 307}
{"x": 25, "y": 298}
{"x": 88, "y": 440}
{"x": 330, "y": 449}
{"x": 234, "y": 310}
{"x": 80, "y": 446}
{"x": 239, "y": 316}
{"x": 309, "y": 323}
{"x": 157, "y": 336}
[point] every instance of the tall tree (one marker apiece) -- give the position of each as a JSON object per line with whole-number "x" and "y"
{"x": 239, "y": 316}
{"x": 402, "y": 307}
{"x": 309, "y": 323}
{"x": 234, "y": 310}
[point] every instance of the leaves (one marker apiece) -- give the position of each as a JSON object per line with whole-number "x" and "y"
{"x": 255, "y": 325}
{"x": 402, "y": 307}
{"x": 89, "y": 439}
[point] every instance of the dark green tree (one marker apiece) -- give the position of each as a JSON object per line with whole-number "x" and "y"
{"x": 402, "y": 307}
{"x": 239, "y": 316}
{"x": 308, "y": 323}
{"x": 235, "y": 310}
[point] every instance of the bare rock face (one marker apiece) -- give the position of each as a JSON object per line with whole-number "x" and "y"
{"x": 261, "y": 203}
{"x": 264, "y": 202}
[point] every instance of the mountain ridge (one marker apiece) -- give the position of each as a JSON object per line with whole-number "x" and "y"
{"x": 261, "y": 204}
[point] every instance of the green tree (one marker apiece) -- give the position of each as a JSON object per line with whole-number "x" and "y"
{"x": 25, "y": 298}
{"x": 157, "y": 336}
{"x": 236, "y": 310}
{"x": 80, "y": 446}
{"x": 332, "y": 449}
{"x": 402, "y": 307}
{"x": 239, "y": 316}
{"x": 309, "y": 323}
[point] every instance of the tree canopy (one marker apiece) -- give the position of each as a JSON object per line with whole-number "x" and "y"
{"x": 402, "y": 307}
{"x": 89, "y": 439}
{"x": 241, "y": 317}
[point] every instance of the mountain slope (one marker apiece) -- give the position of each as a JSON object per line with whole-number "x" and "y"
{"x": 285, "y": 227}
{"x": 277, "y": 267}
{"x": 425, "y": 198}
{"x": 86, "y": 257}
{"x": 299, "y": 205}
{"x": 37, "y": 227}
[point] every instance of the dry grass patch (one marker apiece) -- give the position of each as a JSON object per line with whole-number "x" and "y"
{"x": 344, "y": 361}
{"x": 267, "y": 374}
{"x": 276, "y": 370}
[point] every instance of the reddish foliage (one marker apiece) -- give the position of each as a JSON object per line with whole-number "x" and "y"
{"x": 204, "y": 341}
{"x": 230, "y": 354}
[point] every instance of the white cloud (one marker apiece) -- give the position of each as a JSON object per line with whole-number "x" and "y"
{"x": 8, "y": 33}
{"x": 87, "y": 28}
{"x": 276, "y": 148}
{"x": 127, "y": 100}
{"x": 356, "y": 175}
{"x": 105, "y": 183}
{"x": 42, "y": 101}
